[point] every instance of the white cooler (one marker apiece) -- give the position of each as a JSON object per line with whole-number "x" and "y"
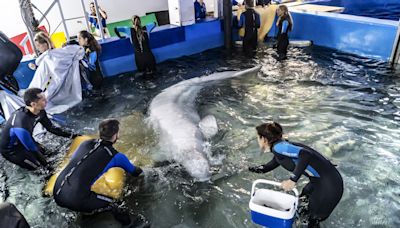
{"x": 271, "y": 208}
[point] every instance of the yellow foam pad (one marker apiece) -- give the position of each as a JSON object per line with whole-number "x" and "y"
{"x": 109, "y": 184}
{"x": 267, "y": 17}
{"x": 58, "y": 39}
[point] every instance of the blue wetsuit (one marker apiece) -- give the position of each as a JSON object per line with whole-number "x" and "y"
{"x": 250, "y": 19}
{"x": 17, "y": 144}
{"x": 92, "y": 70}
{"x": 325, "y": 188}
{"x": 93, "y": 21}
{"x": 199, "y": 10}
{"x": 284, "y": 27}
{"x": 91, "y": 160}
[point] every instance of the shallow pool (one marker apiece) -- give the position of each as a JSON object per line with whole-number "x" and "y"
{"x": 345, "y": 106}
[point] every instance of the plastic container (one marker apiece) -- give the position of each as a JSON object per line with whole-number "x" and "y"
{"x": 271, "y": 208}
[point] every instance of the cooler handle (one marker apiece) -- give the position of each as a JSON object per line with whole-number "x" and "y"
{"x": 274, "y": 183}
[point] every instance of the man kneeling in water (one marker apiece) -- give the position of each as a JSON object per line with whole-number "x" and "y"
{"x": 325, "y": 188}
{"x": 92, "y": 159}
{"x": 17, "y": 144}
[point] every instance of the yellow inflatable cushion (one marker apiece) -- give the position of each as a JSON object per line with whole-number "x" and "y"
{"x": 109, "y": 184}
{"x": 267, "y": 17}
{"x": 58, "y": 39}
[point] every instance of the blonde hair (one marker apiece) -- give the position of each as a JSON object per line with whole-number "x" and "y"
{"x": 284, "y": 9}
{"x": 42, "y": 38}
{"x": 286, "y": 14}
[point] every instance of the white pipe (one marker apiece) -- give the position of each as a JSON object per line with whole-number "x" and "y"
{"x": 86, "y": 16}
{"x": 96, "y": 6}
{"x": 47, "y": 11}
{"x": 395, "y": 56}
{"x": 63, "y": 20}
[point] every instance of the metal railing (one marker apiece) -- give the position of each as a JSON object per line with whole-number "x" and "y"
{"x": 29, "y": 35}
{"x": 395, "y": 57}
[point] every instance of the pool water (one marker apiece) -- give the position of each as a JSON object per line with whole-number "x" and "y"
{"x": 347, "y": 107}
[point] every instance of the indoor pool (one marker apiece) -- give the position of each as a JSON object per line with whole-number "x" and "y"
{"x": 345, "y": 106}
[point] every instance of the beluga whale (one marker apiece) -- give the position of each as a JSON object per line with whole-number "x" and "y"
{"x": 182, "y": 133}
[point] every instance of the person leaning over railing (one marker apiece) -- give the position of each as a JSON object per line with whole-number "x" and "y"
{"x": 93, "y": 21}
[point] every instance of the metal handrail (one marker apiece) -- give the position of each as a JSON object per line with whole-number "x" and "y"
{"x": 395, "y": 56}
{"x": 63, "y": 20}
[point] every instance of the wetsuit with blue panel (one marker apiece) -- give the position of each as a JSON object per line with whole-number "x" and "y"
{"x": 250, "y": 19}
{"x": 325, "y": 188}
{"x": 92, "y": 69}
{"x": 93, "y": 21}
{"x": 92, "y": 159}
{"x": 199, "y": 10}
{"x": 284, "y": 27}
{"x": 17, "y": 144}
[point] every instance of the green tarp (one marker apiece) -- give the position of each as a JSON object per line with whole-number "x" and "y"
{"x": 148, "y": 19}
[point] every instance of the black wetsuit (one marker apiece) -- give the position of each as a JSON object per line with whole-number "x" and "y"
{"x": 283, "y": 38}
{"x": 325, "y": 188}
{"x": 144, "y": 57}
{"x": 263, "y": 2}
{"x": 251, "y": 21}
{"x": 93, "y": 158}
{"x": 17, "y": 144}
{"x": 10, "y": 217}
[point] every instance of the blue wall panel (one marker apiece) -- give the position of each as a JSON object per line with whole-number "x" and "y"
{"x": 206, "y": 28}
{"x": 114, "y": 47}
{"x": 359, "y": 35}
{"x": 167, "y": 36}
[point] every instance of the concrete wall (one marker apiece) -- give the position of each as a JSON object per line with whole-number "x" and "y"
{"x": 11, "y": 23}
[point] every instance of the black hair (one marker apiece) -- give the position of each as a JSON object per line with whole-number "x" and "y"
{"x": 249, "y": 3}
{"x": 108, "y": 128}
{"x": 31, "y": 95}
{"x": 93, "y": 45}
{"x": 271, "y": 131}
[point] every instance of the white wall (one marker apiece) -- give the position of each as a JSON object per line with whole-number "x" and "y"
{"x": 11, "y": 23}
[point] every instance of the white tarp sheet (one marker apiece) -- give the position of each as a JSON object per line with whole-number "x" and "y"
{"x": 58, "y": 75}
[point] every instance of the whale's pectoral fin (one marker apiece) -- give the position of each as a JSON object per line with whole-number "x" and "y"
{"x": 208, "y": 126}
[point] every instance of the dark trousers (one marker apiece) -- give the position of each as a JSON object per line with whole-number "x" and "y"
{"x": 282, "y": 46}
{"x": 93, "y": 203}
{"x": 250, "y": 41}
{"x": 26, "y": 159}
{"x": 323, "y": 196}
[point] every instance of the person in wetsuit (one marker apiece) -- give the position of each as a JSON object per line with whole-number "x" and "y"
{"x": 325, "y": 188}
{"x": 91, "y": 74}
{"x": 93, "y": 22}
{"x": 250, "y": 19}
{"x": 285, "y": 25}
{"x": 199, "y": 9}
{"x": 91, "y": 160}
{"x": 10, "y": 217}
{"x": 263, "y": 2}
{"x": 144, "y": 58}
{"x": 17, "y": 144}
